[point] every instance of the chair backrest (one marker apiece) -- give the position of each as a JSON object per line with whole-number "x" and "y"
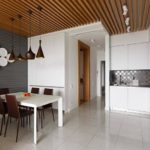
{"x": 2, "y": 109}
{"x": 48, "y": 91}
{"x": 35, "y": 90}
{"x": 4, "y": 91}
{"x": 12, "y": 106}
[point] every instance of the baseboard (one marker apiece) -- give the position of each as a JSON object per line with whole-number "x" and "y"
{"x": 129, "y": 112}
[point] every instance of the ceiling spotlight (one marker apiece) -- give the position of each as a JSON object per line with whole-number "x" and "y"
{"x": 128, "y": 29}
{"x": 125, "y": 9}
{"x": 127, "y": 21}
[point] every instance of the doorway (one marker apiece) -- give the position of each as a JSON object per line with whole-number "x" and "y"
{"x": 102, "y": 78}
{"x": 83, "y": 72}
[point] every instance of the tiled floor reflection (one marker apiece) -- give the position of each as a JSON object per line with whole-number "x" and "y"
{"x": 86, "y": 128}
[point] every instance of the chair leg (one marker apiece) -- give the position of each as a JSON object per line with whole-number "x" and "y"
{"x": 43, "y": 113}
{"x": 53, "y": 114}
{"x": 4, "y": 119}
{"x": 29, "y": 121}
{"x": 2, "y": 124}
{"x": 18, "y": 124}
{"x": 6, "y": 126}
{"x": 37, "y": 125}
{"x": 23, "y": 122}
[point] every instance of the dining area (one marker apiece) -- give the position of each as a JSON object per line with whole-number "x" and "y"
{"x": 28, "y": 110}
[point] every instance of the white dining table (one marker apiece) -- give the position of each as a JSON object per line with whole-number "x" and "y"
{"x": 38, "y": 100}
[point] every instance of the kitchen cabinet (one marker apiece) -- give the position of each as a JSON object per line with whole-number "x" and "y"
{"x": 138, "y": 56}
{"x": 132, "y": 99}
{"x": 138, "y": 99}
{"x": 118, "y": 98}
{"x": 148, "y": 55}
{"x": 119, "y": 58}
{"x": 130, "y": 57}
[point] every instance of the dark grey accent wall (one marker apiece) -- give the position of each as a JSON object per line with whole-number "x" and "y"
{"x": 14, "y": 75}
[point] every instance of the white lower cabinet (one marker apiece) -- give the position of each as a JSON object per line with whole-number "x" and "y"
{"x": 132, "y": 99}
{"x": 118, "y": 98}
{"x": 138, "y": 99}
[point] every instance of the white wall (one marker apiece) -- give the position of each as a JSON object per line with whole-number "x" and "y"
{"x": 130, "y": 38}
{"x": 49, "y": 71}
{"x": 71, "y": 72}
{"x": 100, "y": 57}
{"x": 93, "y": 72}
{"x": 60, "y": 66}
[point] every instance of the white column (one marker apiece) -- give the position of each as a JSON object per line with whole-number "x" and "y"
{"x": 35, "y": 125}
{"x": 60, "y": 112}
{"x": 107, "y": 60}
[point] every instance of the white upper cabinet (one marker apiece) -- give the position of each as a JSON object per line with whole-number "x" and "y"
{"x": 130, "y": 57}
{"x": 119, "y": 58}
{"x": 149, "y": 55}
{"x": 138, "y": 56}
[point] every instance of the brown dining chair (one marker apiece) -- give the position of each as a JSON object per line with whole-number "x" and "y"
{"x": 4, "y": 91}
{"x": 35, "y": 90}
{"x": 3, "y": 112}
{"x": 15, "y": 112}
{"x": 47, "y": 92}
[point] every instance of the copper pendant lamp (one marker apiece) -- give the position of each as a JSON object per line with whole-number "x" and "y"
{"x": 30, "y": 54}
{"x": 40, "y": 53}
{"x": 12, "y": 56}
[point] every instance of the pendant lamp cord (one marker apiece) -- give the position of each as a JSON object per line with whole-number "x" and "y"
{"x": 20, "y": 25}
{"x": 30, "y": 24}
{"x": 12, "y": 35}
{"x": 40, "y": 9}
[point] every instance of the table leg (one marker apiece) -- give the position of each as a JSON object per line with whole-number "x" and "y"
{"x": 35, "y": 125}
{"x": 60, "y": 113}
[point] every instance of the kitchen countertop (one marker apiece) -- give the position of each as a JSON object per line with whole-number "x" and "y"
{"x": 123, "y": 85}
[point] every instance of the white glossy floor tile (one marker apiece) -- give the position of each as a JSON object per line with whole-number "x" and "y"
{"x": 88, "y": 127}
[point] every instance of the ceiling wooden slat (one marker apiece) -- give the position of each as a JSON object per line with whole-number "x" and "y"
{"x": 63, "y": 14}
{"x": 109, "y": 12}
{"x": 141, "y": 13}
{"x": 135, "y": 14}
{"x": 120, "y": 12}
{"x": 116, "y": 14}
{"x": 130, "y": 6}
{"x": 101, "y": 16}
{"x": 107, "y": 18}
{"x": 146, "y": 10}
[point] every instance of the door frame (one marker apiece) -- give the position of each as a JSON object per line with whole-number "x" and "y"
{"x": 86, "y": 50}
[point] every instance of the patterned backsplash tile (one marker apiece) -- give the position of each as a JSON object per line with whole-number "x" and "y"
{"x": 127, "y": 76}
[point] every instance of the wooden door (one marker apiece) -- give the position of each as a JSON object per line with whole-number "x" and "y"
{"x": 83, "y": 80}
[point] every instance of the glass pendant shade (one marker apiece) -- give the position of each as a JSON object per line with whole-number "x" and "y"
{"x": 40, "y": 53}
{"x": 30, "y": 54}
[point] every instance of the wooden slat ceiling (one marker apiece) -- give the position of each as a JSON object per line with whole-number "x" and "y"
{"x": 63, "y": 14}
